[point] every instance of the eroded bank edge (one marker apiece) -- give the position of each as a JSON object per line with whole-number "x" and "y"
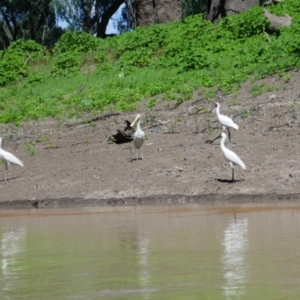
{"x": 151, "y": 200}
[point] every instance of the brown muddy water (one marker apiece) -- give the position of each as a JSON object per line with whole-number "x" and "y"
{"x": 152, "y": 252}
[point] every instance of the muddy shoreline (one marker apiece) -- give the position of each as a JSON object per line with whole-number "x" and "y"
{"x": 218, "y": 199}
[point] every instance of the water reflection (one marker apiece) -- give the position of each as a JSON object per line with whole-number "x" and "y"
{"x": 235, "y": 244}
{"x": 12, "y": 245}
{"x": 157, "y": 253}
{"x": 143, "y": 254}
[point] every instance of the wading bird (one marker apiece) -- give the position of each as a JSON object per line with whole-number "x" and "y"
{"x": 224, "y": 120}
{"x": 138, "y": 136}
{"x": 231, "y": 156}
{"x": 9, "y": 158}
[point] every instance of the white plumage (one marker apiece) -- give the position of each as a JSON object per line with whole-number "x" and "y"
{"x": 224, "y": 120}
{"x": 231, "y": 156}
{"x": 139, "y": 135}
{"x": 121, "y": 75}
{"x": 9, "y": 158}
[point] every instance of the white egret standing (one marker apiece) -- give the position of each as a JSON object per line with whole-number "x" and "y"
{"x": 231, "y": 156}
{"x": 138, "y": 136}
{"x": 224, "y": 120}
{"x": 9, "y": 158}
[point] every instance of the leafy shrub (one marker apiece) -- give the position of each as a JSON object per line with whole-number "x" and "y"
{"x": 35, "y": 78}
{"x": 24, "y": 48}
{"x": 137, "y": 48}
{"x": 247, "y": 24}
{"x": 76, "y": 41}
{"x": 12, "y": 69}
{"x": 66, "y": 63}
{"x": 13, "y": 66}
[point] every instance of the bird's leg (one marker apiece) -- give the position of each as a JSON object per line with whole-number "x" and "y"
{"x": 232, "y": 170}
{"x": 214, "y": 139}
{"x": 6, "y": 168}
{"x": 228, "y": 134}
{"x": 136, "y": 153}
{"x": 130, "y": 153}
{"x": 9, "y": 168}
{"x": 142, "y": 155}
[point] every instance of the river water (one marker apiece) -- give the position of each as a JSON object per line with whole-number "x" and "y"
{"x": 218, "y": 251}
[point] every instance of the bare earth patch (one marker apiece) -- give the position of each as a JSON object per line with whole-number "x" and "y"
{"x": 77, "y": 165}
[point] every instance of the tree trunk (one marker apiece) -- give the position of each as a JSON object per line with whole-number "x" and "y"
{"x": 157, "y": 11}
{"x": 217, "y": 9}
{"x": 101, "y": 26}
{"x": 5, "y": 39}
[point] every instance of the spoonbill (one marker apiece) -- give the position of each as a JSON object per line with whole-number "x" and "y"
{"x": 224, "y": 120}
{"x": 9, "y": 158}
{"x": 231, "y": 156}
{"x": 138, "y": 136}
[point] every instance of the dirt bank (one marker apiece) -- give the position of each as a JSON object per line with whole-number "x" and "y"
{"x": 69, "y": 164}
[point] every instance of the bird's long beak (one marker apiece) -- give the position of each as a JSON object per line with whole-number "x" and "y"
{"x": 219, "y": 136}
{"x": 211, "y": 141}
{"x": 133, "y": 123}
{"x": 215, "y": 105}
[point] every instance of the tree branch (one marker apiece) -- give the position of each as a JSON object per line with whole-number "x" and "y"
{"x": 101, "y": 26}
{"x": 7, "y": 22}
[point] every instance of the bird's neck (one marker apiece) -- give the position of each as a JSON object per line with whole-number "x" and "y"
{"x": 138, "y": 126}
{"x": 218, "y": 110}
{"x": 223, "y": 141}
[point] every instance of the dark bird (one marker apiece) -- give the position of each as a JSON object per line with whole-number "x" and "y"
{"x": 123, "y": 136}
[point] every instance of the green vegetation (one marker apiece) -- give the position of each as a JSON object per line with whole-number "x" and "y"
{"x": 81, "y": 74}
{"x": 30, "y": 148}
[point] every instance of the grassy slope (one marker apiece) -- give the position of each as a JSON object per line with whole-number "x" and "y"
{"x": 172, "y": 60}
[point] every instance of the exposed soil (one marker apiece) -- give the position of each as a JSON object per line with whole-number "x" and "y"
{"x": 76, "y": 165}
{"x": 158, "y": 11}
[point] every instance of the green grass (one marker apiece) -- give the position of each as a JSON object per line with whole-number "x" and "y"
{"x": 171, "y": 60}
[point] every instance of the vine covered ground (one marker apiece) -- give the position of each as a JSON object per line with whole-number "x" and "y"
{"x": 81, "y": 74}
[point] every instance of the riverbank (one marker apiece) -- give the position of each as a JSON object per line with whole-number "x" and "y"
{"x": 73, "y": 161}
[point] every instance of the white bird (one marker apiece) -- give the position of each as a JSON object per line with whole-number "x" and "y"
{"x": 231, "y": 156}
{"x": 9, "y": 158}
{"x": 138, "y": 136}
{"x": 121, "y": 75}
{"x": 224, "y": 120}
